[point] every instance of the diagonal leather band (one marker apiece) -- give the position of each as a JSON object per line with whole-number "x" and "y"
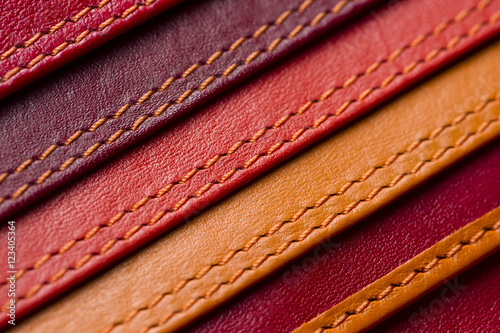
{"x": 413, "y": 279}
{"x": 259, "y": 125}
{"x": 279, "y": 217}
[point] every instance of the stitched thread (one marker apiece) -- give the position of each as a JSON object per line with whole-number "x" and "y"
{"x": 481, "y": 128}
{"x": 423, "y": 270}
{"x": 160, "y": 110}
{"x": 52, "y": 30}
{"x": 93, "y": 231}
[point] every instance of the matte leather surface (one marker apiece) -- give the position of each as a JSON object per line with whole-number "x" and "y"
{"x": 132, "y": 86}
{"x": 348, "y": 262}
{"x": 40, "y": 36}
{"x": 204, "y": 262}
{"x": 169, "y": 178}
{"x": 415, "y": 278}
{"x": 468, "y": 303}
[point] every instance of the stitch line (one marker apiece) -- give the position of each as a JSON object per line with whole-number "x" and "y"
{"x": 116, "y": 135}
{"x": 148, "y": 94}
{"x": 52, "y": 29}
{"x": 455, "y": 122}
{"x": 92, "y": 232}
{"x": 422, "y": 270}
{"x": 15, "y": 71}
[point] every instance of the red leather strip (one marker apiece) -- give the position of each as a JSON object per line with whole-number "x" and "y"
{"x": 134, "y": 85}
{"x": 345, "y": 264}
{"x": 467, "y": 303}
{"x": 167, "y": 179}
{"x": 40, "y": 36}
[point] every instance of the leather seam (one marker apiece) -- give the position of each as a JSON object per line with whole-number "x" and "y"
{"x": 27, "y": 43}
{"x": 202, "y": 190}
{"x": 473, "y": 240}
{"x": 22, "y": 189}
{"x": 84, "y": 34}
{"x": 377, "y": 190}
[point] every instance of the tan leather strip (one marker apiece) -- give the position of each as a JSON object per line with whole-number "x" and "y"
{"x": 241, "y": 240}
{"x": 413, "y": 279}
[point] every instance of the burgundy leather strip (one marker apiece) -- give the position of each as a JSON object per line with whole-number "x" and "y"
{"x": 40, "y": 36}
{"x": 466, "y": 303}
{"x": 126, "y": 90}
{"x": 161, "y": 180}
{"x": 345, "y": 264}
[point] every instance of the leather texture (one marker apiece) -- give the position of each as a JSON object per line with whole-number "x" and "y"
{"x": 343, "y": 265}
{"x": 408, "y": 282}
{"x": 40, "y": 36}
{"x": 468, "y": 303}
{"x": 208, "y": 260}
{"x": 135, "y": 85}
{"x": 238, "y": 141}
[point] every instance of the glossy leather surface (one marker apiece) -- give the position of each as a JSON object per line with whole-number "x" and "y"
{"x": 192, "y": 173}
{"x": 40, "y": 36}
{"x": 279, "y": 217}
{"x": 136, "y": 84}
{"x": 348, "y": 262}
{"x": 467, "y": 303}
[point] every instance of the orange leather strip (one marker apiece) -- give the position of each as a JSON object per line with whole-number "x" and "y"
{"x": 413, "y": 279}
{"x": 239, "y": 241}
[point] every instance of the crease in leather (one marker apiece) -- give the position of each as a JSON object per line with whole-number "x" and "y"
{"x": 15, "y": 191}
{"x": 468, "y": 125}
{"x": 411, "y": 280}
{"x": 84, "y": 259}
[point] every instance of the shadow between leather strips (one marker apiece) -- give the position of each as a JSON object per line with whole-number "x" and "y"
{"x": 20, "y": 188}
{"x": 137, "y": 229}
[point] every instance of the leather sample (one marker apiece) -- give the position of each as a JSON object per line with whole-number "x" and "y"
{"x": 345, "y": 264}
{"x": 40, "y": 36}
{"x": 468, "y": 303}
{"x": 411, "y": 280}
{"x": 245, "y": 238}
{"x": 137, "y": 202}
{"x": 134, "y": 85}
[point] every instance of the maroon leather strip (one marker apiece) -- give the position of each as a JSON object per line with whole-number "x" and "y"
{"x": 126, "y": 90}
{"x": 345, "y": 264}
{"x": 165, "y": 180}
{"x": 467, "y": 303}
{"x": 40, "y": 36}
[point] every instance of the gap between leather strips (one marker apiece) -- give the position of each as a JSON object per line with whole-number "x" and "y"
{"x": 317, "y": 19}
{"x": 377, "y": 190}
{"x": 52, "y": 29}
{"x": 420, "y": 269}
{"x": 203, "y": 189}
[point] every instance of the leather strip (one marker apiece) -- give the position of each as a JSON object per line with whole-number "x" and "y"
{"x": 355, "y": 174}
{"x": 28, "y": 51}
{"x": 137, "y": 84}
{"x": 343, "y": 265}
{"x": 191, "y": 179}
{"x": 411, "y": 280}
{"x": 468, "y": 303}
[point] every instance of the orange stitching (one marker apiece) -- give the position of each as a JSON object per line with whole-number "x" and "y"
{"x": 212, "y": 161}
{"x": 52, "y": 30}
{"x": 112, "y": 138}
{"x": 302, "y": 236}
{"x": 425, "y": 269}
{"x": 11, "y": 73}
{"x": 147, "y": 95}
